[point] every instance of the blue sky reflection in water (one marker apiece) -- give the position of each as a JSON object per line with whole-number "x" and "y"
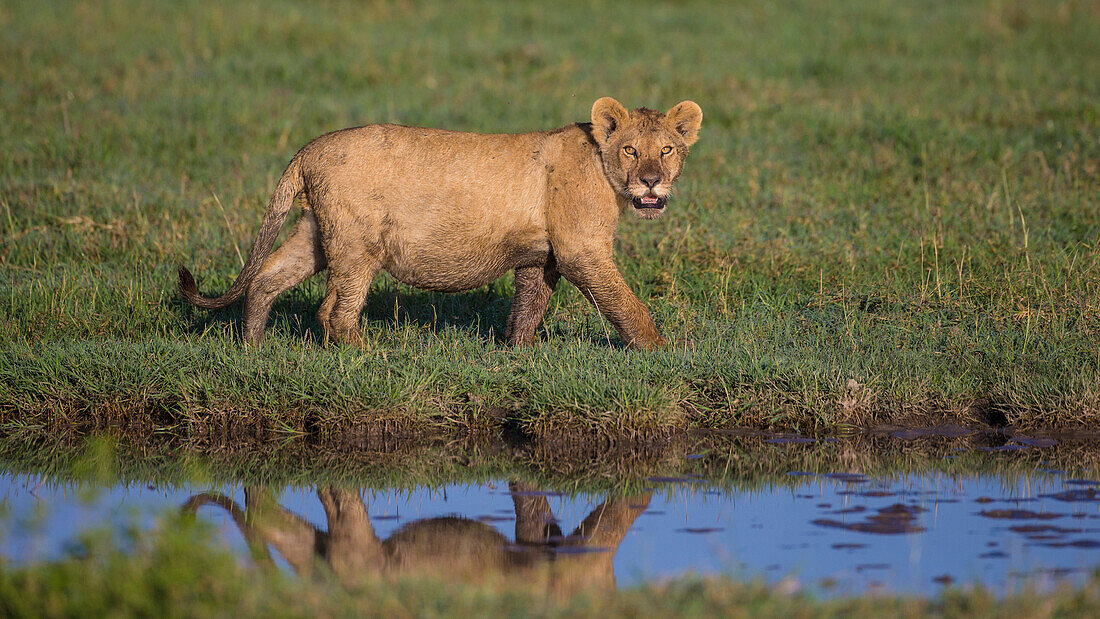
{"x": 833, "y": 534}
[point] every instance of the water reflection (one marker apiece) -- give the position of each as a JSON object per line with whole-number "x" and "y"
{"x": 830, "y": 532}
{"x": 449, "y": 546}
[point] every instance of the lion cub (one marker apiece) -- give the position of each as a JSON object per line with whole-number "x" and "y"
{"x": 449, "y": 211}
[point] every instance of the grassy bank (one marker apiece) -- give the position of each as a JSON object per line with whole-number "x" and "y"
{"x": 892, "y": 213}
{"x": 179, "y": 571}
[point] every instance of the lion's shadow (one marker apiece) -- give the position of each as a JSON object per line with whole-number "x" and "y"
{"x": 481, "y": 313}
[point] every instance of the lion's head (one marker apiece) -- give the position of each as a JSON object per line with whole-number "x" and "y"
{"x": 643, "y": 150}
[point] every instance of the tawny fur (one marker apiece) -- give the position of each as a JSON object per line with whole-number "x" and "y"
{"x": 450, "y": 211}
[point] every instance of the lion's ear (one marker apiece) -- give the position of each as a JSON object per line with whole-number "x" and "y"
{"x": 607, "y": 116}
{"x": 685, "y": 117}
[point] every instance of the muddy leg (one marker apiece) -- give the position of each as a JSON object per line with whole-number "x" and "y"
{"x": 349, "y": 279}
{"x": 534, "y": 285}
{"x": 295, "y": 261}
{"x": 603, "y": 285}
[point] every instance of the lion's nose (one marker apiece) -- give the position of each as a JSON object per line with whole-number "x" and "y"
{"x": 650, "y": 181}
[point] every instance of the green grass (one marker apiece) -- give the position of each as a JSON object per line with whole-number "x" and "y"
{"x": 900, "y": 194}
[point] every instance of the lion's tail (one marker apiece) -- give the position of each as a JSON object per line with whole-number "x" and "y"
{"x": 290, "y": 185}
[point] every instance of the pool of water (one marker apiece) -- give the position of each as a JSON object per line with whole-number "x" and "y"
{"x": 833, "y": 534}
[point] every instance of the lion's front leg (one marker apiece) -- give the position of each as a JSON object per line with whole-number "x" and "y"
{"x": 534, "y": 285}
{"x": 603, "y": 285}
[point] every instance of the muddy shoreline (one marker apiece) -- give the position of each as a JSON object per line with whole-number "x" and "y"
{"x": 479, "y": 421}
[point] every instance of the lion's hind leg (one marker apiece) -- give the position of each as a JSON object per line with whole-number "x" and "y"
{"x": 534, "y": 285}
{"x": 350, "y": 274}
{"x": 298, "y": 258}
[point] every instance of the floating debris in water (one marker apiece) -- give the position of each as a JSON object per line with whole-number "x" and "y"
{"x": 1042, "y": 528}
{"x": 1081, "y": 543}
{"x": 895, "y": 519}
{"x": 850, "y": 510}
{"x": 848, "y": 478}
{"x": 700, "y": 529}
{"x": 872, "y": 566}
{"x": 1075, "y": 496}
{"x": 1018, "y": 514}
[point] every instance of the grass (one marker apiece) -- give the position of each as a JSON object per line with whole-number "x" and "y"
{"x": 891, "y": 215}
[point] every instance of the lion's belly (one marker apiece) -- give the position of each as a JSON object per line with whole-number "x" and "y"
{"x": 456, "y": 237}
{"x": 444, "y": 265}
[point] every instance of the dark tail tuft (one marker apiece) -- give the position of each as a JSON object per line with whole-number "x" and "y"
{"x": 190, "y": 291}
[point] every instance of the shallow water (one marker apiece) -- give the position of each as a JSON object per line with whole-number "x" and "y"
{"x": 830, "y": 533}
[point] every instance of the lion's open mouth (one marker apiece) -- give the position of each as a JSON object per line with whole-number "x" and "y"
{"x": 649, "y": 202}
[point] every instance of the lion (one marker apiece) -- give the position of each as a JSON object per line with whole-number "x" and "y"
{"x": 450, "y": 211}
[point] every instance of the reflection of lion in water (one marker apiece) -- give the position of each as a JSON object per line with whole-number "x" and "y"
{"x": 449, "y": 547}
{"x": 450, "y": 211}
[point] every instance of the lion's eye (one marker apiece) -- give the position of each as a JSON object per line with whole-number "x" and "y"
{"x": 630, "y": 150}
{"x": 666, "y": 150}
